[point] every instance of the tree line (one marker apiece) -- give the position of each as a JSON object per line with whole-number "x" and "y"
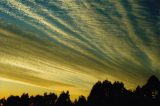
{"x": 102, "y": 94}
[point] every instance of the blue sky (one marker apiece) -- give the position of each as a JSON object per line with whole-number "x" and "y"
{"x": 71, "y": 44}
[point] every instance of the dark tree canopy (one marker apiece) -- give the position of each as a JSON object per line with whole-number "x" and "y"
{"x": 102, "y": 94}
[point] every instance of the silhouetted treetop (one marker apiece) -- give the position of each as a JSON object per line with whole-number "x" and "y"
{"x": 81, "y": 101}
{"x": 153, "y": 80}
{"x": 64, "y": 99}
{"x": 102, "y": 94}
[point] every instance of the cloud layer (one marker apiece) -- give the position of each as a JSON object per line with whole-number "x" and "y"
{"x": 70, "y": 44}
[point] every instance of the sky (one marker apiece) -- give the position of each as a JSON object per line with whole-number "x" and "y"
{"x": 56, "y": 45}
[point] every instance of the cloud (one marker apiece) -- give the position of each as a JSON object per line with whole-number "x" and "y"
{"x": 71, "y": 44}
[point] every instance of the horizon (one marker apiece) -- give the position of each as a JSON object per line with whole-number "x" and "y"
{"x": 72, "y": 97}
{"x": 151, "y": 78}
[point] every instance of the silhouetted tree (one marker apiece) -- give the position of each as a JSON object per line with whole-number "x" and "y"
{"x": 2, "y": 102}
{"x": 97, "y": 95}
{"x": 152, "y": 88}
{"x": 64, "y": 99}
{"x": 25, "y": 99}
{"x": 13, "y": 101}
{"x": 102, "y": 94}
{"x": 81, "y": 101}
{"x": 50, "y": 99}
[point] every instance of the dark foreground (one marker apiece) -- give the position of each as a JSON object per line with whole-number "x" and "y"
{"x": 102, "y": 94}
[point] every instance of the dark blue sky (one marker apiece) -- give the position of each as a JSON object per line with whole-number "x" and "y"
{"x": 70, "y": 44}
